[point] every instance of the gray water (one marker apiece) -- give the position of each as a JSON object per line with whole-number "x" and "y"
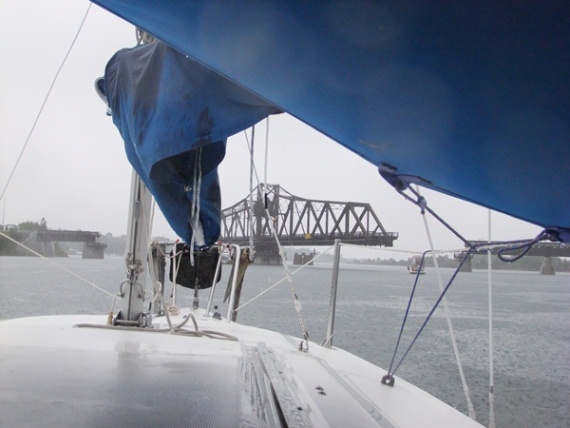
{"x": 531, "y": 324}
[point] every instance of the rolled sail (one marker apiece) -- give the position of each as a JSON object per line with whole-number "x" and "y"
{"x": 175, "y": 116}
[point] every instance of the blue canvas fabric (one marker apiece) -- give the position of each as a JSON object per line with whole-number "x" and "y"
{"x": 166, "y": 107}
{"x": 470, "y": 97}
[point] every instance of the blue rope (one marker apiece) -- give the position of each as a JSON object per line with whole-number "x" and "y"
{"x": 465, "y": 257}
{"x": 401, "y": 185}
{"x": 471, "y": 249}
{"x": 526, "y": 245}
{"x": 422, "y": 203}
{"x": 407, "y": 312}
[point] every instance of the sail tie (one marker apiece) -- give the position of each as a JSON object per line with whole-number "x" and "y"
{"x": 194, "y": 220}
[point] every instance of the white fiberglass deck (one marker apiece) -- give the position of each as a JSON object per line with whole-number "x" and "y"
{"x": 54, "y": 374}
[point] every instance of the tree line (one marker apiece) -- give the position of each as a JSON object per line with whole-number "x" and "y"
{"x": 527, "y": 263}
{"x": 116, "y": 245}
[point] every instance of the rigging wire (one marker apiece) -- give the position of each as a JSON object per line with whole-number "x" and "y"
{"x": 504, "y": 246}
{"x": 470, "y": 407}
{"x": 57, "y": 265}
{"x": 525, "y": 245}
{"x": 389, "y": 378}
{"x": 491, "y": 351}
{"x": 442, "y": 295}
{"x": 27, "y": 141}
{"x": 393, "y": 250}
{"x": 296, "y": 302}
{"x": 283, "y": 279}
{"x": 265, "y": 194}
{"x": 251, "y": 213}
{"x": 45, "y": 101}
{"x": 522, "y": 245}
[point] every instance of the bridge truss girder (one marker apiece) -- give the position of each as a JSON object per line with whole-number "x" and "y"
{"x": 300, "y": 221}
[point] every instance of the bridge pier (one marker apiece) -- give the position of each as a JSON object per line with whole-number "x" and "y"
{"x": 267, "y": 253}
{"x": 46, "y": 249}
{"x": 547, "y": 268}
{"x": 93, "y": 250}
{"x": 301, "y": 259}
{"x": 467, "y": 265}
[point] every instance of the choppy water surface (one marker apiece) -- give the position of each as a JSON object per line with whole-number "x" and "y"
{"x": 531, "y": 324}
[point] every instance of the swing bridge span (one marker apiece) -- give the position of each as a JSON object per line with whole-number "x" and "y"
{"x": 299, "y": 222}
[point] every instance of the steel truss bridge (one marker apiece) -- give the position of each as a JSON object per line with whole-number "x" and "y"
{"x": 299, "y": 221}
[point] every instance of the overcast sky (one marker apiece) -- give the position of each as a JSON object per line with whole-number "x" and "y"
{"x": 74, "y": 172}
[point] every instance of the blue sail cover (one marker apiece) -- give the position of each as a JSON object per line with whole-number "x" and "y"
{"x": 168, "y": 109}
{"x": 473, "y": 97}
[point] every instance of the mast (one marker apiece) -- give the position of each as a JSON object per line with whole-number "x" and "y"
{"x": 132, "y": 290}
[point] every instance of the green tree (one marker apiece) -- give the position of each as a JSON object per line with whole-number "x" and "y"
{"x": 29, "y": 225}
